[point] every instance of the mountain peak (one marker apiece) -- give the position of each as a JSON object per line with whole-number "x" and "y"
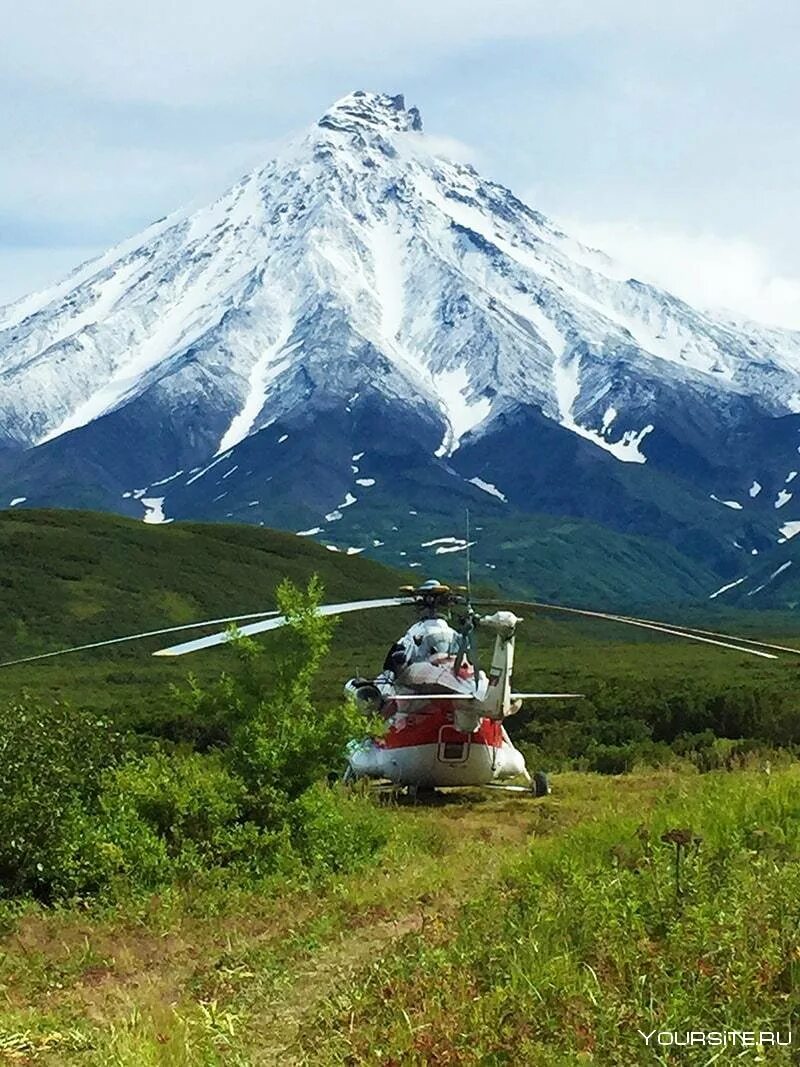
{"x": 360, "y": 306}
{"x": 375, "y": 111}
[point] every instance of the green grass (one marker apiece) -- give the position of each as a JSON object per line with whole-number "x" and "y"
{"x": 588, "y": 938}
{"x": 490, "y": 930}
{"x": 487, "y": 929}
{"x": 71, "y": 576}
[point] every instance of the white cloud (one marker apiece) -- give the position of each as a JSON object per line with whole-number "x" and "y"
{"x": 124, "y": 111}
{"x": 707, "y": 270}
{"x": 448, "y": 147}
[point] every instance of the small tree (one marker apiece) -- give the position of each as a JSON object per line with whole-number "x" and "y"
{"x": 278, "y": 741}
{"x": 284, "y": 743}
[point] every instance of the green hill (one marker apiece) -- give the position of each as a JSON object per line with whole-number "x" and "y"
{"x": 71, "y": 577}
{"x": 557, "y": 557}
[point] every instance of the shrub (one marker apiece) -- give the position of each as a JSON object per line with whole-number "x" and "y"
{"x": 75, "y": 817}
{"x": 184, "y": 796}
{"x": 115, "y": 848}
{"x": 282, "y": 741}
{"x": 276, "y": 740}
{"x": 186, "y": 800}
{"x": 51, "y": 764}
{"x": 610, "y": 759}
{"x": 334, "y": 831}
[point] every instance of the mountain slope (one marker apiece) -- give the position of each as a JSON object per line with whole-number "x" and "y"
{"x": 362, "y": 312}
{"x": 72, "y": 577}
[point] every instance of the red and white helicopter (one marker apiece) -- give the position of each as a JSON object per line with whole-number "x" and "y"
{"x": 444, "y": 716}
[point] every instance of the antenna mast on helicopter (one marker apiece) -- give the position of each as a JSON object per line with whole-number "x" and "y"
{"x": 469, "y": 565}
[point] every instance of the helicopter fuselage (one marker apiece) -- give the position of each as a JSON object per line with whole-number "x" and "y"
{"x": 444, "y": 719}
{"x": 426, "y": 748}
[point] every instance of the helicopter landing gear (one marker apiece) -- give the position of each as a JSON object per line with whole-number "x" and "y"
{"x": 540, "y": 786}
{"x": 419, "y": 794}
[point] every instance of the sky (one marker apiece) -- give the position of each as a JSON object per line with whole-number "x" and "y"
{"x": 666, "y": 134}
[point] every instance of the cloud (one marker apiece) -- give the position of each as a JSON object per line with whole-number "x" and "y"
{"x": 707, "y": 270}
{"x": 125, "y": 111}
{"x": 451, "y": 148}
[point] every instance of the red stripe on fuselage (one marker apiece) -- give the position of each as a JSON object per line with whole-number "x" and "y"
{"x": 422, "y": 726}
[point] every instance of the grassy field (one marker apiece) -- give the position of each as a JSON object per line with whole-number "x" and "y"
{"x": 490, "y": 930}
{"x": 223, "y": 917}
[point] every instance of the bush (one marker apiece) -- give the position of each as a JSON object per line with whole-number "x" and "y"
{"x": 51, "y": 765}
{"x": 186, "y": 800}
{"x": 610, "y": 759}
{"x": 75, "y": 818}
{"x": 336, "y": 831}
{"x": 184, "y": 797}
{"x": 115, "y": 848}
{"x": 178, "y": 815}
{"x": 282, "y": 741}
{"x": 276, "y": 740}
{"x": 626, "y": 723}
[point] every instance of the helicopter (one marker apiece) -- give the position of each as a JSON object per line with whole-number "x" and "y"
{"x": 444, "y": 716}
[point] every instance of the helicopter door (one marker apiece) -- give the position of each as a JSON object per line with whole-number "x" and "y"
{"x": 453, "y": 745}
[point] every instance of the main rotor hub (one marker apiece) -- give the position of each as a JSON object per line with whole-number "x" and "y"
{"x": 432, "y": 599}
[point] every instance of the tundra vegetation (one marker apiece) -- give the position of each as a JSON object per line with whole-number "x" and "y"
{"x": 182, "y": 882}
{"x": 89, "y": 809}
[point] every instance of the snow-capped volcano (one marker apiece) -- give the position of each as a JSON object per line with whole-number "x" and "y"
{"x": 362, "y": 294}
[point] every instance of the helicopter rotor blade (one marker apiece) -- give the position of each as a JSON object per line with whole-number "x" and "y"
{"x": 730, "y": 637}
{"x": 401, "y": 697}
{"x": 138, "y": 637}
{"x": 276, "y": 623}
{"x": 706, "y": 637}
{"x": 429, "y": 697}
{"x": 547, "y": 696}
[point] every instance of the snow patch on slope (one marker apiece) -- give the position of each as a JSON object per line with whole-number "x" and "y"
{"x": 566, "y": 383}
{"x": 274, "y": 360}
{"x": 725, "y": 588}
{"x": 154, "y": 510}
{"x": 780, "y": 570}
{"x": 734, "y": 504}
{"x": 487, "y": 487}
{"x": 462, "y": 413}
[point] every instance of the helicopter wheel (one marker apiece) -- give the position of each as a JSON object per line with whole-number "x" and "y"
{"x": 540, "y": 786}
